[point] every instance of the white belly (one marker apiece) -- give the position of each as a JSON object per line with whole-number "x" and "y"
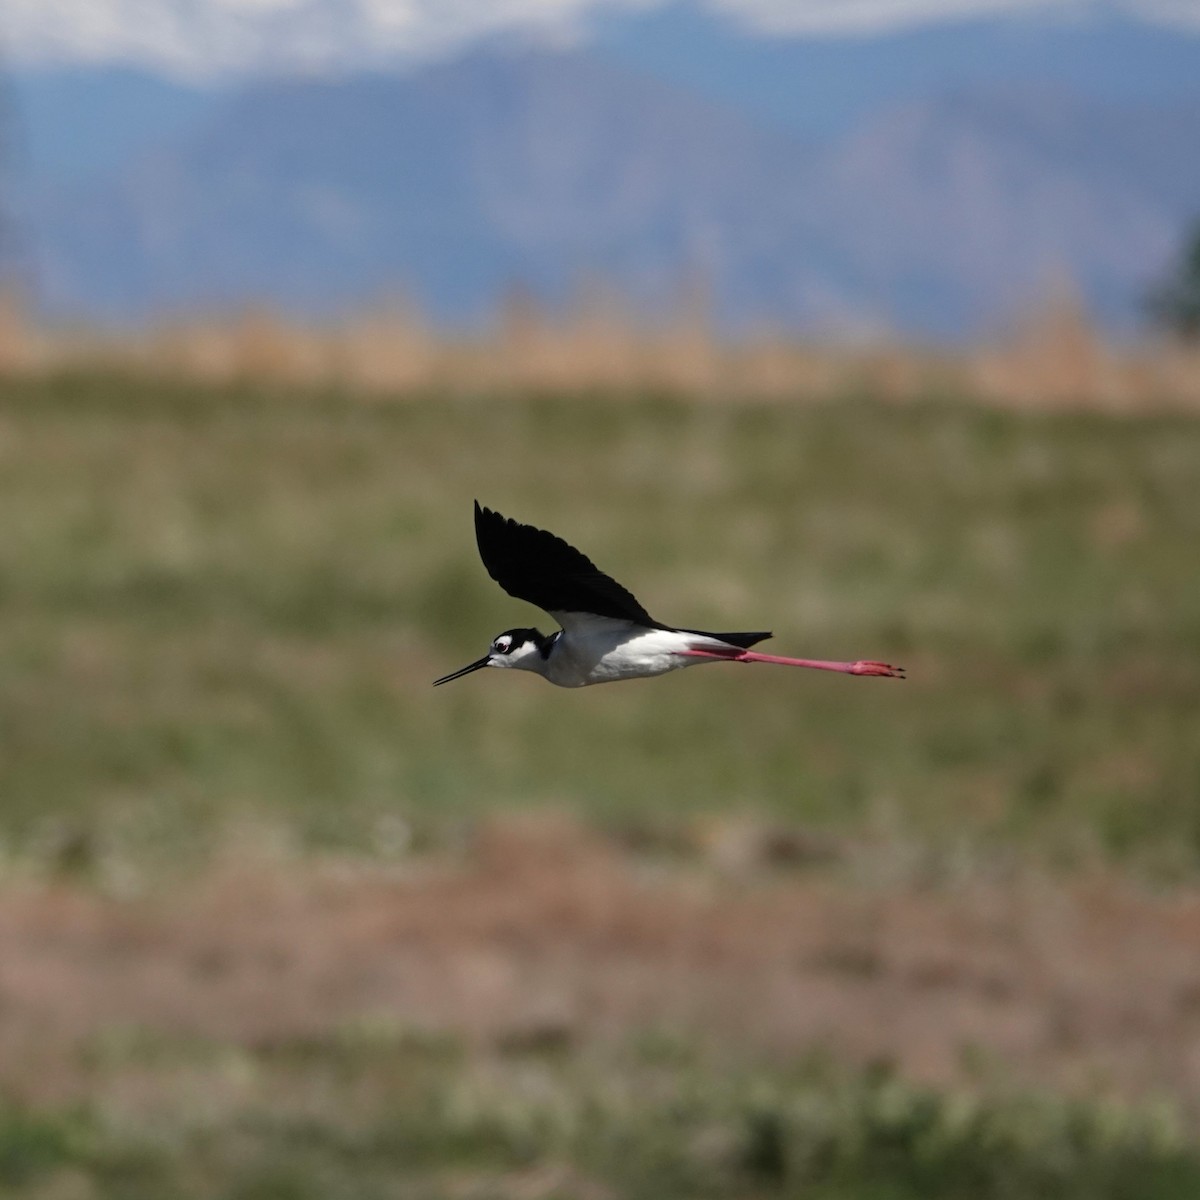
{"x": 607, "y": 652}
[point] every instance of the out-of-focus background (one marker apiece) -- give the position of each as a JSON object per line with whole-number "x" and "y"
{"x": 874, "y": 323}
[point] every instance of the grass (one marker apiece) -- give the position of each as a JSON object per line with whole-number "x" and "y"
{"x": 373, "y": 1114}
{"x": 221, "y": 608}
{"x": 229, "y": 603}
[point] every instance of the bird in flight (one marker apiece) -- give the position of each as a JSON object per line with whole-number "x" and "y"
{"x": 606, "y": 634}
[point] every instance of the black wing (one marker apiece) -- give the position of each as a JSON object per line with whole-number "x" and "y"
{"x": 534, "y": 565}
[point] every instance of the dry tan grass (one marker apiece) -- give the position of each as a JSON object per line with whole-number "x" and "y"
{"x": 545, "y": 933}
{"x": 1053, "y": 358}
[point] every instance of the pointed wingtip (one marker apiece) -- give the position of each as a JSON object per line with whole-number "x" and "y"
{"x": 483, "y": 513}
{"x": 483, "y": 517}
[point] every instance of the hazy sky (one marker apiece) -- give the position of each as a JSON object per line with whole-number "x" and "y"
{"x": 197, "y": 35}
{"x": 817, "y": 15}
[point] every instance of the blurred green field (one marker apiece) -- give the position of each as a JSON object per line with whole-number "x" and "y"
{"x": 228, "y": 605}
{"x": 222, "y": 612}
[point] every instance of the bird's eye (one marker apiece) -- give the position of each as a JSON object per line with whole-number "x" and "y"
{"x": 504, "y": 645}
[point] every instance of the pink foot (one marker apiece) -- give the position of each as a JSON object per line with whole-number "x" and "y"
{"x": 877, "y": 668}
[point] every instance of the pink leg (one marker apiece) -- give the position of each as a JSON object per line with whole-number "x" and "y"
{"x": 846, "y": 668}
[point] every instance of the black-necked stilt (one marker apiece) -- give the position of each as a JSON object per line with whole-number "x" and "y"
{"x": 606, "y": 634}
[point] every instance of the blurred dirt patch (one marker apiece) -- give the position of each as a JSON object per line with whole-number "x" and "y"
{"x": 545, "y": 936}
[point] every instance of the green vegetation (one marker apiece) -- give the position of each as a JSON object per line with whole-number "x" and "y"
{"x": 1175, "y": 303}
{"x": 225, "y": 607}
{"x": 401, "y": 1116}
{"x": 221, "y": 603}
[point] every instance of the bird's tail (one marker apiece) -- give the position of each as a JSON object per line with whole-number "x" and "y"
{"x": 744, "y": 640}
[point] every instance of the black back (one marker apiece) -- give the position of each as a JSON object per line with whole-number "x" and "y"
{"x": 536, "y": 566}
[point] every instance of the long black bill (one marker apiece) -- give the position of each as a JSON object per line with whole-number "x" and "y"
{"x": 475, "y": 666}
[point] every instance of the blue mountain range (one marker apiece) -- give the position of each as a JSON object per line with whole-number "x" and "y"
{"x": 930, "y": 182}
